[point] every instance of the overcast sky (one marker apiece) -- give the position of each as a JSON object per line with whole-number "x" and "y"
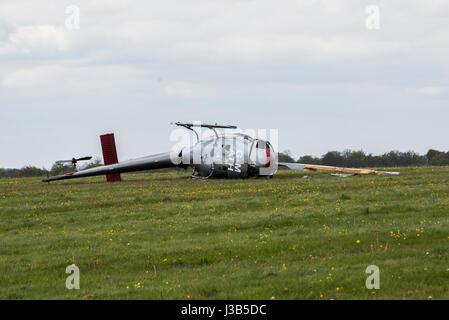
{"x": 311, "y": 69}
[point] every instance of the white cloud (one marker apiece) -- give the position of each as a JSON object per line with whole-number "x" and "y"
{"x": 224, "y": 30}
{"x": 36, "y": 39}
{"x": 188, "y": 90}
{"x": 429, "y": 91}
{"x": 72, "y": 78}
{"x": 32, "y": 77}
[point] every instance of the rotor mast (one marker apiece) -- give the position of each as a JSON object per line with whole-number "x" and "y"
{"x": 212, "y": 127}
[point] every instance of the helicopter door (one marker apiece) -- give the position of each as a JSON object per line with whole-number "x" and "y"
{"x": 234, "y": 155}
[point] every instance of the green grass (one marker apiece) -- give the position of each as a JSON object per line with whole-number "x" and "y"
{"x": 288, "y": 238}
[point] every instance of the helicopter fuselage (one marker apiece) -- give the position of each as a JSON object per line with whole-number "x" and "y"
{"x": 228, "y": 156}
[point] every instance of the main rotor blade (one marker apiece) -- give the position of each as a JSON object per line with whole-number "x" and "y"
{"x": 84, "y": 158}
{"x": 204, "y": 125}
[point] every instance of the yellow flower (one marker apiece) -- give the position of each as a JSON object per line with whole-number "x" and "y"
{"x": 357, "y": 241}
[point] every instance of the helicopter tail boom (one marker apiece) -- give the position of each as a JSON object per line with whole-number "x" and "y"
{"x": 157, "y": 161}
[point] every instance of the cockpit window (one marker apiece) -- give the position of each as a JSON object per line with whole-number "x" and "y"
{"x": 261, "y": 144}
{"x": 206, "y": 143}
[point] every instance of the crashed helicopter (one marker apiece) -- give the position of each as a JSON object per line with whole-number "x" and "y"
{"x": 229, "y": 155}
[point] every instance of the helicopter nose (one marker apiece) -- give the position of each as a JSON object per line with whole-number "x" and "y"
{"x": 268, "y": 154}
{"x": 264, "y": 154}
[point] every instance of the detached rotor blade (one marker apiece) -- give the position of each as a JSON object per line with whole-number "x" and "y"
{"x": 349, "y": 170}
{"x": 315, "y": 167}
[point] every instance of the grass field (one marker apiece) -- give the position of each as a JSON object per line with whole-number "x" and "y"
{"x": 163, "y": 236}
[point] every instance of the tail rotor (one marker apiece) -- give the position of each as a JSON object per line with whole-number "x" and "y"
{"x": 74, "y": 161}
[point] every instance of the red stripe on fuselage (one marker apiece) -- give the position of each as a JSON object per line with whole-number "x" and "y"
{"x": 268, "y": 153}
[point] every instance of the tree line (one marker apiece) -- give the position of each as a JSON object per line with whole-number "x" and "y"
{"x": 346, "y": 158}
{"x": 56, "y": 169}
{"x": 360, "y": 159}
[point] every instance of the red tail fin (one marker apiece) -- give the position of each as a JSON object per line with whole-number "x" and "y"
{"x": 109, "y": 155}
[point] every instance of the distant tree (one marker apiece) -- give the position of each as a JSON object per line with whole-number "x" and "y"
{"x": 30, "y": 171}
{"x": 419, "y": 160}
{"x": 60, "y": 168}
{"x": 309, "y": 160}
{"x": 432, "y": 153}
{"x": 285, "y": 156}
{"x": 411, "y": 158}
{"x": 439, "y": 160}
{"x": 391, "y": 159}
{"x": 96, "y": 162}
{"x": 354, "y": 158}
{"x": 332, "y": 158}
